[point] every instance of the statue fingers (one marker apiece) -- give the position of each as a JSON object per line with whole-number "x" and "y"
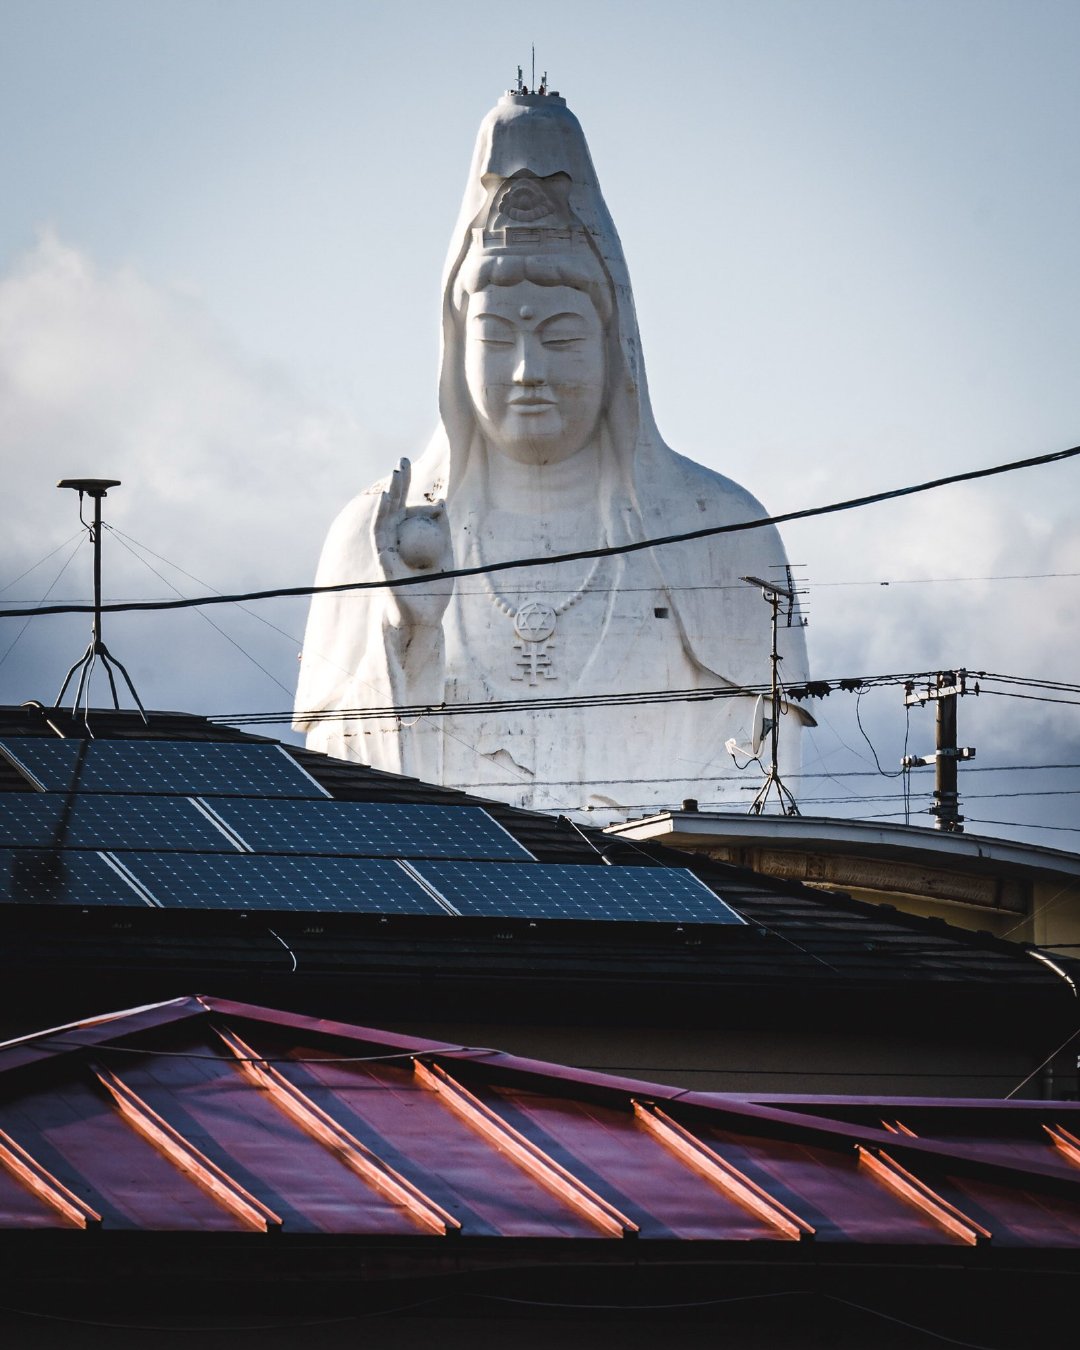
{"x": 384, "y": 523}
{"x": 404, "y": 469}
{"x": 392, "y": 498}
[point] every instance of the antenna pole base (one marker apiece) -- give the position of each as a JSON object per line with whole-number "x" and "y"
{"x": 773, "y": 782}
{"x": 85, "y": 666}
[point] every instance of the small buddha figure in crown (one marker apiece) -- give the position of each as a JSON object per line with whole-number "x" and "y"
{"x": 546, "y": 446}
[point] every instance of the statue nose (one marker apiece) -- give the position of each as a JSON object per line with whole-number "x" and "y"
{"x": 531, "y": 367}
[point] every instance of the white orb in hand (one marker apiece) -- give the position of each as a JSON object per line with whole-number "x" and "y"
{"x": 421, "y": 540}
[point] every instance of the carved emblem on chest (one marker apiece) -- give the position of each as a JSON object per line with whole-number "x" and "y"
{"x": 534, "y": 623}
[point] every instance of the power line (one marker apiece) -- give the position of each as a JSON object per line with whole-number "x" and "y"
{"x": 81, "y": 537}
{"x": 1070, "y": 685}
{"x": 1026, "y": 825}
{"x": 571, "y": 702}
{"x": 251, "y": 613}
{"x": 608, "y": 551}
{"x": 79, "y": 534}
{"x": 927, "y": 791}
{"x": 741, "y": 777}
{"x": 857, "y": 684}
{"x": 950, "y": 581}
{"x": 131, "y": 544}
{"x": 977, "y": 820}
{"x": 597, "y": 589}
{"x": 1032, "y": 698}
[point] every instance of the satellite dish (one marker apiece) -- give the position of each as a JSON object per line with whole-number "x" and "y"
{"x": 760, "y": 726}
{"x": 757, "y": 725}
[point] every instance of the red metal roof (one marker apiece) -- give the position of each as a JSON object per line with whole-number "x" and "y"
{"x": 209, "y": 1116}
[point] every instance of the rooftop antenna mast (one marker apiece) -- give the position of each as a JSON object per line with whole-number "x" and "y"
{"x": 96, "y": 488}
{"x": 775, "y": 596}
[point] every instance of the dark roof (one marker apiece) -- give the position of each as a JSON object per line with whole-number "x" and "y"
{"x": 797, "y": 940}
{"x": 208, "y": 1116}
{"x": 199, "y": 1168}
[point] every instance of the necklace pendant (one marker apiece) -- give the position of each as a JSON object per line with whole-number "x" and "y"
{"x": 535, "y": 622}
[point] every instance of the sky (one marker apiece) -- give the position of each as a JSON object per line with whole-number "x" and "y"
{"x": 851, "y": 228}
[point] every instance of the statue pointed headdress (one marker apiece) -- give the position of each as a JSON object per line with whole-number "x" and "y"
{"x": 532, "y": 191}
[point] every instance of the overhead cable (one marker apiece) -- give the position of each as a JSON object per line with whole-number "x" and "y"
{"x": 645, "y": 696}
{"x": 815, "y": 689}
{"x": 608, "y": 551}
{"x": 537, "y": 590}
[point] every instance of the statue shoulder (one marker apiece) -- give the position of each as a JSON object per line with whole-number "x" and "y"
{"x": 722, "y": 621}
{"x": 348, "y": 541}
{"x": 679, "y": 495}
{"x": 360, "y": 509}
{"x": 702, "y": 492}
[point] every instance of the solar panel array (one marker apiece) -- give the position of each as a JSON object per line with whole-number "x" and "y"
{"x": 107, "y": 821}
{"x": 369, "y": 829}
{"x": 172, "y": 768}
{"x": 568, "y": 891}
{"x": 310, "y": 885}
{"x": 59, "y": 877}
{"x": 228, "y": 826}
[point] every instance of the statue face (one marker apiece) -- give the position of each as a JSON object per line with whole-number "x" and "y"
{"x": 534, "y": 366}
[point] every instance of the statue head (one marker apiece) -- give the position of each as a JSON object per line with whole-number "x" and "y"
{"x": 533, "y": 304}
{"x": 541, "y": 354}
{"x": 534, "y": 369}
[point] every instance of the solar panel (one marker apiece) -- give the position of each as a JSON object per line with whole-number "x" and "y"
{"x": 175, "y": 768}
{"x": 62, "y": 877}
{"x": 368, "y": 829}
{"x": 247, "y": 881}
{"x": 44, "y": 820}
{"x": 566, "y": 891}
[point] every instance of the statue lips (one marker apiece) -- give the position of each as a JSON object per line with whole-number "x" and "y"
{"x": 532, "y": 405}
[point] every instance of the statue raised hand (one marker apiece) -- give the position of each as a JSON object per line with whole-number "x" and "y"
{"x": 409, "y": 540}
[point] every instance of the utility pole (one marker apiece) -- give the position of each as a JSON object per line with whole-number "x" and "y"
{"x": 948, "y": 686}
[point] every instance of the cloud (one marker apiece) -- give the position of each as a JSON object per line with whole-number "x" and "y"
{"x": 229, "y": 470}
{"x": 940, "y": 610}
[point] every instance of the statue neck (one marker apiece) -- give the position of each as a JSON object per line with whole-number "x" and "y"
{"x": 538, "y": 489}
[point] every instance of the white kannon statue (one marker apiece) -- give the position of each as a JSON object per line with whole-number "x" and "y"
{"x": 546, "y": 445}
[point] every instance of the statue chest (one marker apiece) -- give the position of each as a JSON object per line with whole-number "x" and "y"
{"x": 572, "y": 629}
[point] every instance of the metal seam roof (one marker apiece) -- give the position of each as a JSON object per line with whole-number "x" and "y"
{"x": 205, "y": 1115}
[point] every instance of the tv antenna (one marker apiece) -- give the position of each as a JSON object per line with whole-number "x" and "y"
{"x": 521, "y": 87}
{"x": 766, "y": 725}
{"x": 95, "y": 488}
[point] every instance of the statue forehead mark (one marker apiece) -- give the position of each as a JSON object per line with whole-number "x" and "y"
{"x": 495, "y": 304}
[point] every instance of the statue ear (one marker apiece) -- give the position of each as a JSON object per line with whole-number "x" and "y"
{"x": 620, "y": 393}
